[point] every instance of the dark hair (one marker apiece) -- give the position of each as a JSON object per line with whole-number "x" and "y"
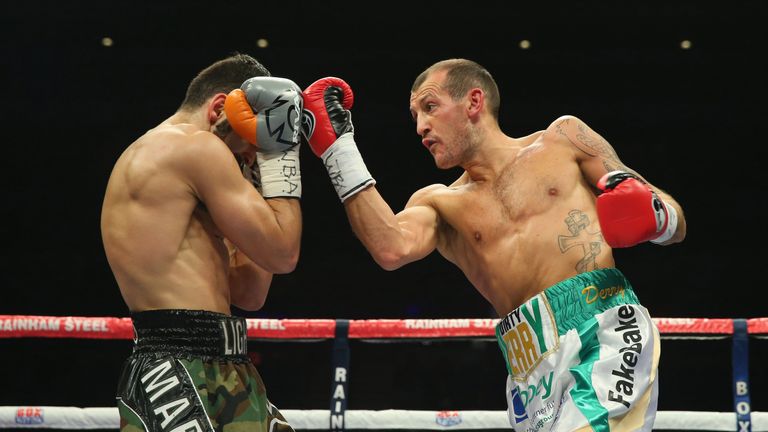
{"x": 462, "y": 76}
{"x": 221, "y": 77}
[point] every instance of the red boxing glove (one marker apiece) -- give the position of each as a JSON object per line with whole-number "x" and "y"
{"x": 329, "y": 100}
{"x": 630, "y": 212}
{"x": 326, "y": 104}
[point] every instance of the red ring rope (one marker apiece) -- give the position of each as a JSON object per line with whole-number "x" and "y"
{"x": 12, "y": 326}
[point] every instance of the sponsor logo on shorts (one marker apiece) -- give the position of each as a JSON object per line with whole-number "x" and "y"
{"x": 542, "y": 389}
{"x": 168, "y": 407}
{"x": 624, "y": 381}
{"x": 30, "y": 416}
{"x": 518, "y": 407}
{"x": 529, "y": 333}
{"x": 448, "y": 418}
{"x": 592, "y": 293}
{"x": 235, "y": 337}
{"x": 534, "y": 415}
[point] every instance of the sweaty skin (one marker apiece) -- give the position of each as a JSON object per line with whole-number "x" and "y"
{"x": 159, "y": 256}
{"x": 522, "y": 225}
{"x": 182, "y": 228}
{"x": 521, "y": 217}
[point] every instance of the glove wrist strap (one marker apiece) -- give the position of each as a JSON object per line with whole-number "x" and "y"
{"x": 346, "y": 167}
{"x": 280, "y": 173}
{"x": 671, "y": 225}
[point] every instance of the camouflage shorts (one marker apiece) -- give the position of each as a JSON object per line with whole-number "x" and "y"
{"x": 167, "y": 393}
{"x": 190, "y": 371}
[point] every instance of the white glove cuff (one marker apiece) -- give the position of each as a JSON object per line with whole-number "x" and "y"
{"x": 671, "y": 225}
{"x": 280, "y": 173}
{"x": 346, "y": 167}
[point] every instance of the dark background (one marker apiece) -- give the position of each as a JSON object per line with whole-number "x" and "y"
{"x": 691, "y": 121}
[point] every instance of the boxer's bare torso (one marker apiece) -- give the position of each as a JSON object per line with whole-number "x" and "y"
{"x": 161, "y": 243}
{"x": 523, "y": 225}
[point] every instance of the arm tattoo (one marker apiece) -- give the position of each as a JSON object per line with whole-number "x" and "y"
{"x": 597, "y": 144}
{"x": 588, "y": 141}
{"x": 618, "y": 166}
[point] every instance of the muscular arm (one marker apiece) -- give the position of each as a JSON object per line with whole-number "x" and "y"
{"x": 596, "y": 157}
{"x": 268, "y": 232}
{"x": 393, "y": 239}
{"x": 248, "y": 283}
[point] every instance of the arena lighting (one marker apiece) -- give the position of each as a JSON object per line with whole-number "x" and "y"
{"x": 107, "y": 41}
{"x": 685, "y": 44}
{"x": 262, "y": 43}
{"x": 525, "y": 44}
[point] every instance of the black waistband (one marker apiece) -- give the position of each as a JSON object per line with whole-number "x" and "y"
{"x": 189, "y": 332}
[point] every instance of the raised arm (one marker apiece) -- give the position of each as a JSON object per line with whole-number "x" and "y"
{"x": 248, "y": 283}
{"x": 267, "y": 231}
{"x": 392, "y": 239}
{"x": 262, "y": 218}
{"x": 631, "y": 209}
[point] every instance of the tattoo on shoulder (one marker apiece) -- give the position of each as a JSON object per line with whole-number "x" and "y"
{"x": 560, "y": 127}
{"x": 591, "y": 143}
{"x": 585, "y": 139}
{"x": 588, "y": 242}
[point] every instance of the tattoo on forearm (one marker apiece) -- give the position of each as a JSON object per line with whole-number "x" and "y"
{"x": 589, "y": 242}
{"x": 614, "y": 166}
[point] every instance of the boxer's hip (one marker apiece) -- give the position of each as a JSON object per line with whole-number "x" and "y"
{"x": 190, "y": 370}
{"x": 581, "y": 352}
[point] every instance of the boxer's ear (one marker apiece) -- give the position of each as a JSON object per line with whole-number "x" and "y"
{"x": 216, "y": 107}
{"x": 475, "y": 102}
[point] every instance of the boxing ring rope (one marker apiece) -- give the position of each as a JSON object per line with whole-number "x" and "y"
{"x": 337, "y": 418}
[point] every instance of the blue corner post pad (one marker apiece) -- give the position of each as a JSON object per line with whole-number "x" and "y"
{"x": 740, "y": 360}
{"x": 339, "y": 384}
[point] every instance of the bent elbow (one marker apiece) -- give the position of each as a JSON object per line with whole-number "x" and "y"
{"x": 390, "y": 266}
{"x": 252, "y": 304}
{"x": 681, "y": 231}
{"x": 388, "y": 260}
{"x": 680, "y": 235}
{"x": 288, "y": 262}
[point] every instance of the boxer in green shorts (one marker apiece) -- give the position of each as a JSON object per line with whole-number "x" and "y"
{"x": 531, "y": 221}
{"x": 581, "y": 354}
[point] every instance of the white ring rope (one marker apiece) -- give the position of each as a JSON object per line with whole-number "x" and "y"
{"x": 52, "y": 417}
{"x": 107, "y": 418}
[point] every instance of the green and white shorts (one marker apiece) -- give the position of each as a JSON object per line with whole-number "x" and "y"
{"x": 581, "y": 355}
